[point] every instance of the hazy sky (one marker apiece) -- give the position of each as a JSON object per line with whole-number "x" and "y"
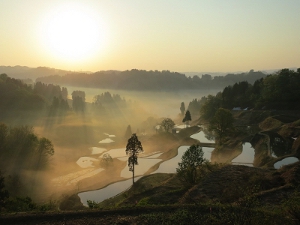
{"x": 176, "y": 35}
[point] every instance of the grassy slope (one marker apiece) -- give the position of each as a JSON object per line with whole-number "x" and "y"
{"x": 225, "y": 196}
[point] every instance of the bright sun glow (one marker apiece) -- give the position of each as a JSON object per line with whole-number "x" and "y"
{"x": 73, "y": 33}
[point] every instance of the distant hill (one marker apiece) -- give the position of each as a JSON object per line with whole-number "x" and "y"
{"x": 149, "y": 80}
{"x": 24, "y": 72}
{"x": 214, "y": 74}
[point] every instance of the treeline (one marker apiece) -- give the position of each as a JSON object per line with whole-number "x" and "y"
{"x": 149, "y": 80}
{"x": 23, "y": 158}
{"x": 22, "y": 153}
{"x": 109, "y": 105}
{"x": 21, "y": 149}
{"x": 280, "y": 90}
{"x": 18, "y": 96}
{"x": 14, "y": 94}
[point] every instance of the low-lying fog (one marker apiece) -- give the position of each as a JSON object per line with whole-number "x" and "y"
{"x": 162, "y": 104}
{"x": 81, "y": 138}
{"x": 77, "y": 140}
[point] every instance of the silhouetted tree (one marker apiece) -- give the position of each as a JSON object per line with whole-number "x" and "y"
{"x": 167, "y": 124}
{"x": 22, "y": 149}
{"x": 78, "y": 100}
{"x": 133, "y": 148}
{"x": 222, "y": 123}
{"x": 64, "y": 93}
{"x": 44, "y": 150}
{"x": 210, "y": 106}
{"x": 187, "y": 118}
{"x": 191, "y": 160}
{"x": 182, "y": 108}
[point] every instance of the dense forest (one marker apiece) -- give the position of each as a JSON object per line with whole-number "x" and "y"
{"x": 149, "y": 80}
{"x": 278, "y": 91}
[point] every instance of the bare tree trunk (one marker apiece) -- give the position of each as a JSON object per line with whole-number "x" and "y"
{"x": 133, "y": 174}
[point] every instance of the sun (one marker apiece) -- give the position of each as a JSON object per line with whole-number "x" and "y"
{"x": 73, "y": 33}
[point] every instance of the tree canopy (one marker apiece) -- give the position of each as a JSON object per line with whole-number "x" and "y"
{"x": 191, "y": 161}
{"x": 167, "y": 124}
{"x": 278, "y": 91}
{"x": 21, "y": 149}
{"x": 222, "y": 123}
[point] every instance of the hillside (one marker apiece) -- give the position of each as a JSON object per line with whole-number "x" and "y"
{"x": 230, "y": 184}
{"x": 231, "y": 194}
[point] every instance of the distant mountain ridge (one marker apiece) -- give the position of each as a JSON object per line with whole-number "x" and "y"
{"x": 131, "y": 79}
{"x": 24, "y": 72}
{"x": 149, "y": 80}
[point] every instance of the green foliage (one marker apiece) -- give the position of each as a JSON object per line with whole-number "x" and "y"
{"x": 222, "y": 123}
{"x": 210, "y": 106}
{"x": 21, "y": 204}
{"x": 280, "y": 90}
{"x": 25, "y": 204}
{"x": 143, "y": 201}
{"x": 292, "y": 207}
{"x": 92, "y": 204}
{"x": 167, "y": 124}
{"x": 189, "y": 169}
{"x": 50, "y": 206}
{"x": 237, "y": 95}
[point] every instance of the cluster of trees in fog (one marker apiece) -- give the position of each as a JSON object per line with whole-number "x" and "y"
{"x": 280, "y": 90}
{"x": 149, "y": 80}
{"x": 22, "y": 150}
{"x": 16, "y": 95}
{"x": 106, "y": 103}
{"x": 78, "y": 102}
